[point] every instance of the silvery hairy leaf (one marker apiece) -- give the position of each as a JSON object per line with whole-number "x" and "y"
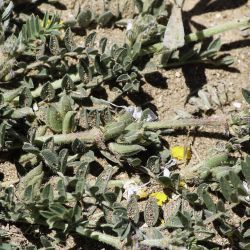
{"x": 174, "y": 33}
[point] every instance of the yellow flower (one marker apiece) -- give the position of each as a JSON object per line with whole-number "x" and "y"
{"x": 142, "y": 194}
{"x": 180, "y": 152}
{"x": 161, "y": 197}
{"x": 182, "y": 184}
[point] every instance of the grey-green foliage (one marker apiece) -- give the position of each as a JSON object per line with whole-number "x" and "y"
{"x": 54, "y": 98}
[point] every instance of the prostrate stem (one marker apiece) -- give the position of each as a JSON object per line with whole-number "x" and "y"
{"x": 95, "y": 135}
{"x": 200, "y": 35}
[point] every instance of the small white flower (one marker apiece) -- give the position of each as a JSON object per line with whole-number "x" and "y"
{"x": 166, "y": 172}
{"x": 237, "y": 105}
{"x": 35, "y": 107}
{"x": 135, "y": 111}
{"x": 129, "y": 25}
{"x": 151, "y": 117}
{"x": 172, "y": 162}
{"x": 245, "y": 185}
{"x": 130, "y": 188}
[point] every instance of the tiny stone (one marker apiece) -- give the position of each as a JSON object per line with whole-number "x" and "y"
{"x": 178, "y": 74}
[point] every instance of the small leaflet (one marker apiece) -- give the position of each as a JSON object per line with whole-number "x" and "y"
{"x": 174, "y": 33}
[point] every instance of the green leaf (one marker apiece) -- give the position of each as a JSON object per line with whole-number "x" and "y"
{"x": 90, "y": 40}
{"x": 7, "y": 12}
{"x": 166, "y": 181}
{"x": 50, "y": 158}
{"x": 103, "y": 179}
{"x": 153, "y": 163}
{"x": 2, "y": 134}
{"x": 226, "y": 189}
{"x": 67, "y": 83}
{"x": 58, "y": 210}
{"x": 80, "y": 187}
{"x": 84, "y": 18}
{"x": 54, "y": 119}
{"x": 33, "y": 178}
{"x": 48, "y": 92}
{"x": 105, "y": 18}
{"x": 246, "y": 95}
{"x": 100, "y": 66}
{"x": 174, "y": 33}
{"x": 102, "y": 44}
{"x": 64, "y": 105}
{"x": 208, "y": 201}
{"x": 245, "y": 166}
{"x": 235, "y": 179}
{"x": 28, "y": 193}
{"x": 25, "y": 98}
{"x": 68, "y": 124}
{"x": 61, "y": 190}
{"x": 28, "y": 147}
{"x": 77, "y": 146}
{"x": 110, "y": 197}
{"x": 125, "y": 150}
{"x": 47, "y": 193}
{"x": 62, "y": 158}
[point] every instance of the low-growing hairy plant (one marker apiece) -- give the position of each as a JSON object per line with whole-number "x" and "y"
{"x": 53, "y": 118}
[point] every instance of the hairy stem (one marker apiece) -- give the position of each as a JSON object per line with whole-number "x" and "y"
{"x": 95, "y": 135}
{"x": 89, "y": 136}
{"x": 104, "y": 238}
{"x": 201, "y": 35}
{"x": 183, "y": 123}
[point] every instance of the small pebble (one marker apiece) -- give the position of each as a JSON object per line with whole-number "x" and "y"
{"x": 178, "y": 74}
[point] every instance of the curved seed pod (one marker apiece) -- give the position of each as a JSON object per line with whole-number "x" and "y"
{"x": 54, "y": 45}
{"x": 151, "y": 213}
{"x": 68, "y": 124}
{"x": 133, "y": 209}
{"x": 54, "y": 119}
{"x": 125, "y": 150}
{"x": 68, "y": 40}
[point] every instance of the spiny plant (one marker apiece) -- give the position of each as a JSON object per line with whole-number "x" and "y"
{"x": 67, "y": 132}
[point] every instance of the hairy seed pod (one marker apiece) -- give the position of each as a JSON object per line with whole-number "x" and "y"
{"x": 133, "y": 209}
{"x": 151, "y": 212}
{"x": 54, "y": 45}
{"x": 68, "y": 40}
